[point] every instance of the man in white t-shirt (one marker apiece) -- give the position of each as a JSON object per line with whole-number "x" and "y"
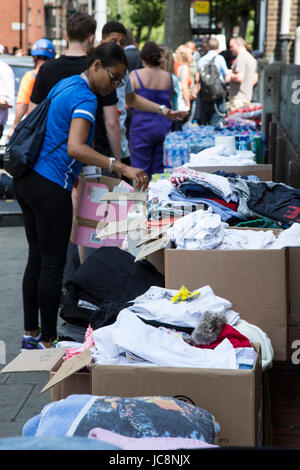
{"x": 7, "y": 92}
{"x": 244, "y": 75}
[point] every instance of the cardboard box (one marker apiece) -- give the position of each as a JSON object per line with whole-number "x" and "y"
{"x": 254, "y": 281}
{"x": 96, "y": 203}
{"x": 294, "y": 283}
{"x": 263, "y": 171}
{"x": 234, "y": 397}
{"x": 261, "y": 284}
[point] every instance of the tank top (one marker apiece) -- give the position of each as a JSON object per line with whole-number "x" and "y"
{"x": 152, "y": 94}
{"x": 140, "y": 119}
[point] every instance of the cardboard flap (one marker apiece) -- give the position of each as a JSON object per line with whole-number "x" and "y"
{"x": 109, "y": 181}
{"x": 68, "y": 368}
{"x": 154, "y": 234}
{"x": 36, "y": 360}
{"x": 122, "y": 226}
{"x": 152, "y": 247}
{"x": 119, "y": 196}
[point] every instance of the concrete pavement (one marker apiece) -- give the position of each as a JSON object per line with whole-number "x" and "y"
{"x": 20, "y": 397}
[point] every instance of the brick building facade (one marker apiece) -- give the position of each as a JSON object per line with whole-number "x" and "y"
{"x": 28, "y": 13}
{"x": 39, "y": 19}
{"x": 273, "y": 25}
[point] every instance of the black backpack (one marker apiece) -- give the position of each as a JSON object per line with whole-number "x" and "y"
{"x": 24, "y": 146}
{"x": 211, "y": 87}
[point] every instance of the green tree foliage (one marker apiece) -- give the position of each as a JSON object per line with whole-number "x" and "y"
{"x": 234, "y": 13}
{"x": 112, "y": 12}
{"x": 146, "y": 14}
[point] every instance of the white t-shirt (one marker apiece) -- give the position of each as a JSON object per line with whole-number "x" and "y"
{"x": 7, "y": 89}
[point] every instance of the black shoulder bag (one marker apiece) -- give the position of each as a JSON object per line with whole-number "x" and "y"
{"x": 23, "y": 148}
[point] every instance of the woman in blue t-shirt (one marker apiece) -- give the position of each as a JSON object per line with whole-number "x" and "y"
{"x": 44, "y": 193}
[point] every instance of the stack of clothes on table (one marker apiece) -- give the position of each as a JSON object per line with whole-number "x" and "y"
{"x": 186, "y": 189}
{"x": 246, "y": 115}
{"x": 221, "y": 155}
{"x": 204, "y": 230}
{"x": 237, "y": 199}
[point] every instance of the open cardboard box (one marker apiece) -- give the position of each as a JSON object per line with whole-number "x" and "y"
{"x": 234, "y": 397}
{"x": 260, "y": 284}
{"x": 98, "y": 202}
{"x": 263, "y": 171}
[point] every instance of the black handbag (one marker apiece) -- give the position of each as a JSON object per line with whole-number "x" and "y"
{"x": 23, "y": 148}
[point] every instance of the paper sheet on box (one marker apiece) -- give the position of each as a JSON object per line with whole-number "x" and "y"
{"x": 36, "y": 360}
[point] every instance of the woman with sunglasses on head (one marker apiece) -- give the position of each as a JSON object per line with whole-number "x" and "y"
{"x": 44, "y": 193}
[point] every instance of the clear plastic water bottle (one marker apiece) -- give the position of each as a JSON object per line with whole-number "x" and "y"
{"x": 167, "y": 150}
{"x": 165, "y": 153}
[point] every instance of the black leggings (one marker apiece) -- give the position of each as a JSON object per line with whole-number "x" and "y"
{"x": 47, "y": 210}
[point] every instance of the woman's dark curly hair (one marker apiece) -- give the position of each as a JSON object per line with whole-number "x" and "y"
{"x": 151, "y": 54}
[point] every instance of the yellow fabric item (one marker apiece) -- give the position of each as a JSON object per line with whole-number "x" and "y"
{"x": 184, "y": 294}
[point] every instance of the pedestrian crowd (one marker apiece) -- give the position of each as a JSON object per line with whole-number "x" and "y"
{"x": 111, "y": 107}
{"x": 201, "y": 71}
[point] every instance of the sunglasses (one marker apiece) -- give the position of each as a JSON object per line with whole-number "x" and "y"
{"x": 113, "y": 79}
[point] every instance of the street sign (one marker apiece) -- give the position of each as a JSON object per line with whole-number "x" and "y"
{"x": 202, "y": 7}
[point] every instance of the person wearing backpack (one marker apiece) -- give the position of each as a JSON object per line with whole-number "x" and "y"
{"x": 214, "y": 74}
{"x": 44, "y": 192}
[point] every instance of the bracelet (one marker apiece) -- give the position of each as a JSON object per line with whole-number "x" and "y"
{"x": 111, "y": 164}
{"x": 161, "y": 108}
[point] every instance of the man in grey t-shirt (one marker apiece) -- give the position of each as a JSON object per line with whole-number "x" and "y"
{"x": 243, "y": 76}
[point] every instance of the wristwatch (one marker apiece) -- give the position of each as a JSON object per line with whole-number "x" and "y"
{"x": 161, "y": 108}
{"x": 111, "y": 164}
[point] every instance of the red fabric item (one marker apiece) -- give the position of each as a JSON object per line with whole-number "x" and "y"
{"x": 231, "y": 205}
{"x": 234, "y": 336}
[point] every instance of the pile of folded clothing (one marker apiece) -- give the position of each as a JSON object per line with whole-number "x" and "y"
{"x": 221, "y": 156}
{"x": 186, "y": 189}
{"x": 205, "y": 230}
{"x": 237, "y": 199}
